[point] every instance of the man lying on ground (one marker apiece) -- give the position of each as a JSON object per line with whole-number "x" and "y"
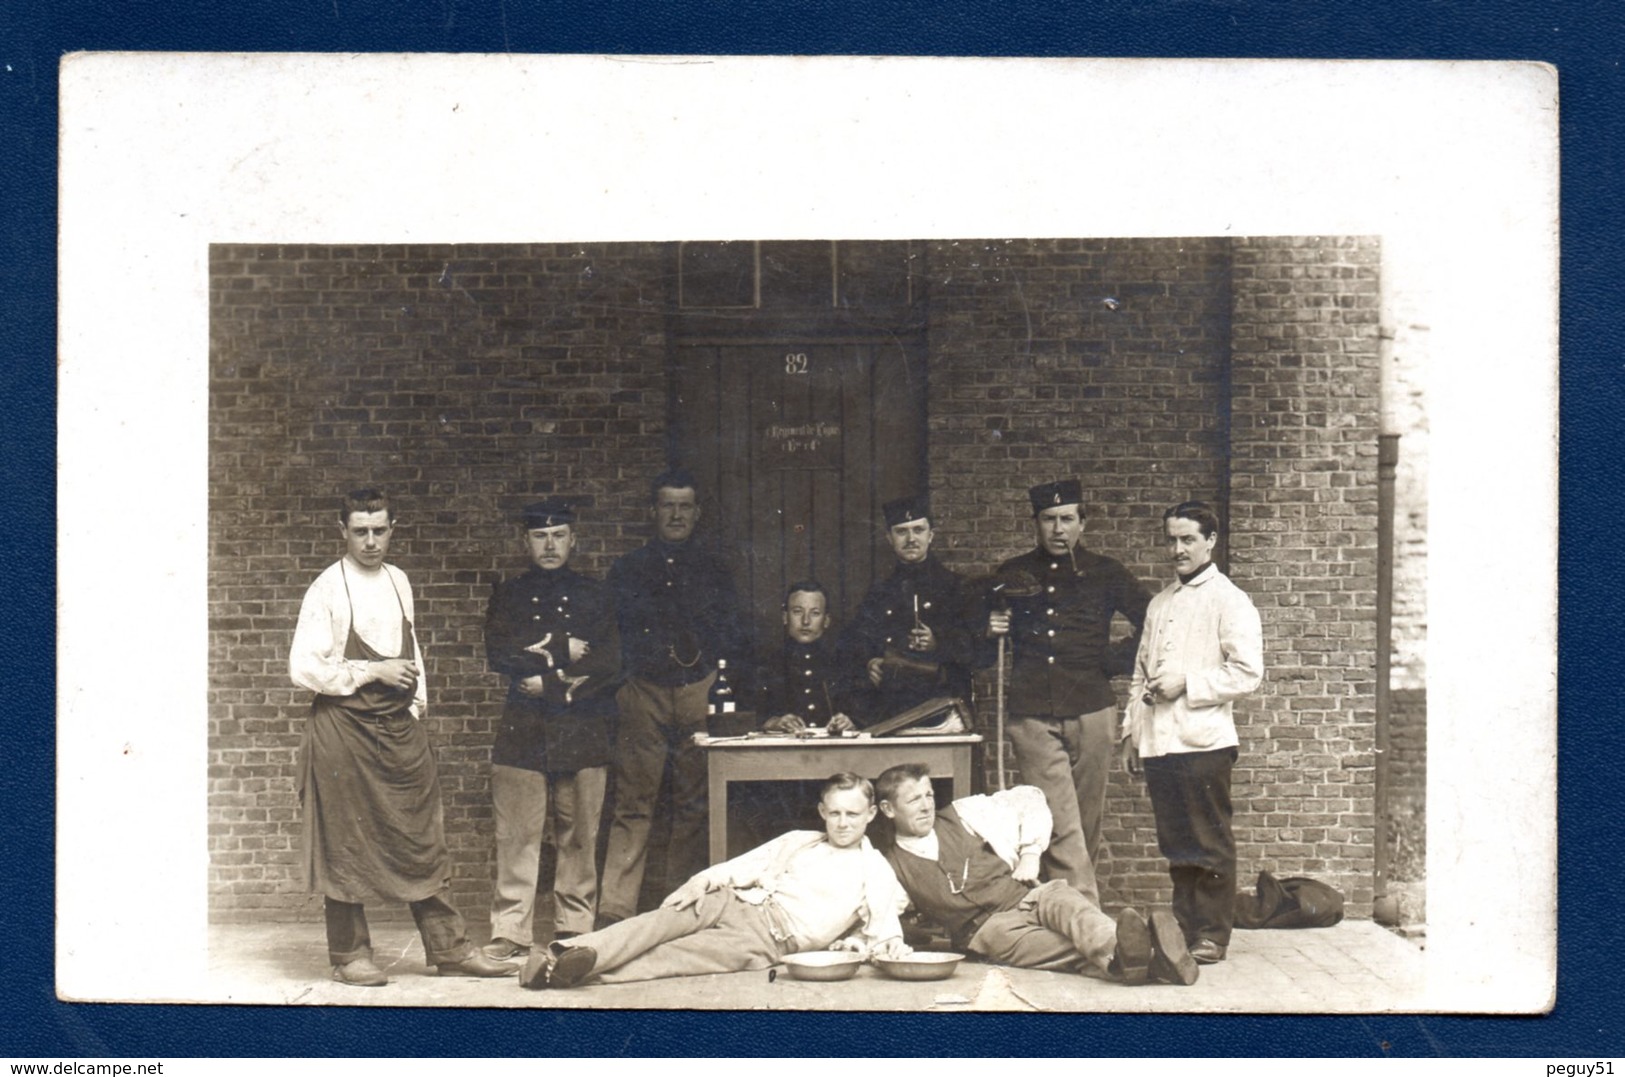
{"x": 803, "y": 891}
{"x": 972, "y": 870}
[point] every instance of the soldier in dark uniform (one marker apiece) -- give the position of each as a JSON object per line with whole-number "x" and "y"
{"x": 910, "y": 636}
{"x": 803, "y": 686}
{"x": 552, "y": 632}
{"x": 679, "y": 614}
{"x": 1063, "y": 711}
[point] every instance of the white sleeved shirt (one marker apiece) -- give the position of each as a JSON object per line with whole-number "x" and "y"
{"x": 1209, "y": 631}
{"x": 823, "y": 891}
{"x": 316, "y": 659}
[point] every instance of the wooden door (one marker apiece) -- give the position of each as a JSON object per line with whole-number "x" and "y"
{"x": 798, "y": 444}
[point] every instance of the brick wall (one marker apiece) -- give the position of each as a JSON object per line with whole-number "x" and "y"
{"x": 1406, "y": 351}
{"x": 1304, "y": 545}
{"x": 465, "y": 381}
{"x": 470, "y": 379}
{"x": 1103, "y": 360}
{"x": 1408, "y": 746}
{"x": 1407, "y": 784}
{"x": 1241, "y": 372}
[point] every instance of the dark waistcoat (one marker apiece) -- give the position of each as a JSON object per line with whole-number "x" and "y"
{"x": 964, "y": 863}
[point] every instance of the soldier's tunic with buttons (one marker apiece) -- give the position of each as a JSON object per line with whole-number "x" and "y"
{"x": 1064, "y": 658}
{"x": 679, "y": 613}
{"x": 528, "y": 627}
{"x": 885, "y": 619}
{"x": 1060, "y": 699}
{"x": 804, "y": 679}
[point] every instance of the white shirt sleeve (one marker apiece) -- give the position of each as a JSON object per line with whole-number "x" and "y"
{"x": 420, "y": 698}
{"x": 1012, "y": 822}
{"x": 752, "y": 868}
{"x": 1134, "y": 713}
{"x": 316, "y": 659}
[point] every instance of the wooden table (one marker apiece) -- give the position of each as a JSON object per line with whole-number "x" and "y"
{"x": 769, "y": 759}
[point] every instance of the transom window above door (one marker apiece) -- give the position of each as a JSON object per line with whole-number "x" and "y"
{"x": 797, "y": 274}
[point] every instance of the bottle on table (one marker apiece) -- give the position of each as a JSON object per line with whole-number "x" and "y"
{"x": 720, "y": 699}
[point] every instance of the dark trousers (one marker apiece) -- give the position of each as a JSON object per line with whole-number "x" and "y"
{"x": 445, "y": 937}
{"x": 1190, "y": 795}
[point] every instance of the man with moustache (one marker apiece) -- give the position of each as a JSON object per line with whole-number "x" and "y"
{"x": 1063, "y": 713}
{"x": 373, "y": 820}
{"x": 909, "y": 637}
{"x": 552, "y": 633}
{"x": 1203, "y": 649}
{"x": 806, "y": 890}
{"x": 679, "y": 615}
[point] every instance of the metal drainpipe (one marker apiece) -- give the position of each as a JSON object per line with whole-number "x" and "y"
{"x": 1384, "y": 909}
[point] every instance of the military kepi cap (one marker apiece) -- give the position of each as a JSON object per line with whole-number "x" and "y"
{"x": 906, "y": 510}
{"x": 550, "y": 512}
{"x": 1048, "y": 495}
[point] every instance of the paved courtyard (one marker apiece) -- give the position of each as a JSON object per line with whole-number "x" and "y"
{"x": 1355, "y": 967}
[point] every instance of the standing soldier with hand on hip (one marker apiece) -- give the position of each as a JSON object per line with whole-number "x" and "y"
{"x": 552, "y": 632}
{"x": 679, "y": 616}
{"x": 1064, "y": 713}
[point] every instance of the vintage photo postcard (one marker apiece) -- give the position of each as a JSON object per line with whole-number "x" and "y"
{"x": 808, "y": 534}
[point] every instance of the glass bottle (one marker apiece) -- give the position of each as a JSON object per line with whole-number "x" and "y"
{"x": 720, "y": 699}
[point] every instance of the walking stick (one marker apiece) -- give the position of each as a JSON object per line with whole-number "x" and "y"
{"x": 998, "y": 709}
{"x": 1007, "y": 585}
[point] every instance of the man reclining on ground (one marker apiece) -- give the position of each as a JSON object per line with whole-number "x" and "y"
{"x": 972, "y": 870}
{"x": 803, "y": 891}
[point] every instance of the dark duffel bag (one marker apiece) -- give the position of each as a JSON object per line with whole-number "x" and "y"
{"x": 1294, "y": 902}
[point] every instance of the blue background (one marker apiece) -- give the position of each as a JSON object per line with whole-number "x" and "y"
{"x": 1584, "y": 40}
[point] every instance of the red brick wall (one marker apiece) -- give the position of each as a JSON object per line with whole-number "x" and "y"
{"x": 468, "y": 380}
{"x": 1408, "y": 746}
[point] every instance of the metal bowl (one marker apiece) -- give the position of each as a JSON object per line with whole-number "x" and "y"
{"x": 823, "y": 965}
{"x": 922, "y": 965}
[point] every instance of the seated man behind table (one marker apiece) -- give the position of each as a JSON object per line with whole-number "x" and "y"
{"x": 802, "y": 689}
{"x": 802, "y": 686}
{"x": 972, "y": 870}
{"x": 803, "y": 891}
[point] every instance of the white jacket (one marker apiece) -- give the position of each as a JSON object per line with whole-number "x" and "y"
{"x": 1209, "y": 631}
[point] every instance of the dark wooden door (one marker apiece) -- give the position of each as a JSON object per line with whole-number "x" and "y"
{"x": 798, "y": 445}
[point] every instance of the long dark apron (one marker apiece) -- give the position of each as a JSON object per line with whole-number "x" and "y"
{"x": 373, "y": 823}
